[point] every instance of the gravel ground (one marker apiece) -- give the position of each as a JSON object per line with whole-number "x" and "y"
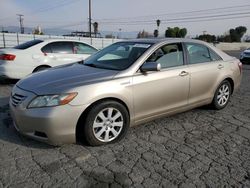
{"x": 198, "y": 148}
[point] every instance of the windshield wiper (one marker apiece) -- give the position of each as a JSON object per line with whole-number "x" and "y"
{"x": 91, "y": 65}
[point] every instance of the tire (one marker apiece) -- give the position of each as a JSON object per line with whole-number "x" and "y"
{"x": 106, "y": 122}
{"x": 38, "y": 69}
{"x": 222, "y": 95}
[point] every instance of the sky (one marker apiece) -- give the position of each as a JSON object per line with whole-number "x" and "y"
{"x": 213, "y": 16}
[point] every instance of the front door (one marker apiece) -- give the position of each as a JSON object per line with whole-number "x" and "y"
{"x": 156, "y": 93}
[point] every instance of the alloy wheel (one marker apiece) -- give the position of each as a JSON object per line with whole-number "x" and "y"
{"x": 108, "y": 124}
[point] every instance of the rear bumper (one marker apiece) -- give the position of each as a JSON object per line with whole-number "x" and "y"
{"x": 14, "y": 71}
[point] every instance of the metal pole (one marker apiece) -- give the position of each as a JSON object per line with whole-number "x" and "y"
{"x": 21, "y": 23}
{"x": 17, "y": 38}
{"x": 90, "y": 19}
{"x": 4, "y": 45}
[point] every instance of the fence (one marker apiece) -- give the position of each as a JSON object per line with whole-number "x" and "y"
{"x": 12, "y": 39}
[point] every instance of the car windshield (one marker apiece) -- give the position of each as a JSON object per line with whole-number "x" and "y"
{"x": 118, "y": 56}
{"x": 27, "y": 44}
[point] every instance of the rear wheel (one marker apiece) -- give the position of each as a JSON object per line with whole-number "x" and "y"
{"x": 222, "y": 95}
{"x": 41, "y": 68}
{"x": 106, "y": 122}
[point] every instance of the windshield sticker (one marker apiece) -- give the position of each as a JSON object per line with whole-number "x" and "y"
{"x": 142, "y": 45}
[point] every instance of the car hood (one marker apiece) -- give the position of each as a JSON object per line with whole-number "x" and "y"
{"x": 64, "y": 78}
{"x": 247, "y": 51}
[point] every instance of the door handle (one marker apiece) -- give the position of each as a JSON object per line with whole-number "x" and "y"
{"x": 183, "y": 73}
{"x": 220, "y": 66}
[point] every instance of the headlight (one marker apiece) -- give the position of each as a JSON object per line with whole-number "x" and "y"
{"x": 241, "y": 55}
{"x": 51, "y": 100}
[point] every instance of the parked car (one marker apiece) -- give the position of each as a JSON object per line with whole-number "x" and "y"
{"x": 37, "y": 55}
{"x": 125, "y": 84}
{"x": 245, "y": 56}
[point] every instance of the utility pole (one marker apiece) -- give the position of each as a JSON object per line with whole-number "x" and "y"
{"x": 21, "y": 23}
{"x": 90, "y": 18}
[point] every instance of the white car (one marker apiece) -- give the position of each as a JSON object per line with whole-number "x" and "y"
{"x": 37, "y": 55}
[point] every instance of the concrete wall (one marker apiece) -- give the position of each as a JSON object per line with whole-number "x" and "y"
{"x": 233, "y": 46}
{"x": 13, "y": 39}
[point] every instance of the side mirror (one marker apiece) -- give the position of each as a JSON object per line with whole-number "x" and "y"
{"x": 150, "y": 66}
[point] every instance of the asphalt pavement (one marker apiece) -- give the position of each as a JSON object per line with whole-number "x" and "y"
{"x": 198, "y": 148}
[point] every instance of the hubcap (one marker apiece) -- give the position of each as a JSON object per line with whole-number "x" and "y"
{"x": 223, "y": 95}
{"x": 108, "y": 124}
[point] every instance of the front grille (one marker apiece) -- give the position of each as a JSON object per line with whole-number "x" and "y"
{"x": 17, "y": 99}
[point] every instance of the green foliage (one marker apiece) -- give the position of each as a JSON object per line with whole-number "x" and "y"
{"x": 95, "y": 25}
{"x": 176, "y": 32}
{"x": 234, "y": 35}
{"x": 158, "y": 22}
{"x": 207, "y": 38}
{"x": 156, "y": 33}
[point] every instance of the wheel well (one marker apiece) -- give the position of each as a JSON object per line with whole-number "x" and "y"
{"x": 40, "y": 66}
{"x": 231, "y": 83}
{"x": 79, "y": 128}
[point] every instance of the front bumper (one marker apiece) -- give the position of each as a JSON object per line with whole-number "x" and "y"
{"x": 245, "y": 60}
{"x": 53, "y": 125}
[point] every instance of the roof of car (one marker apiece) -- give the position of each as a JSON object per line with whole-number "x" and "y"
{"x": 159, "y": 40}
{"x": 59, "y": 40}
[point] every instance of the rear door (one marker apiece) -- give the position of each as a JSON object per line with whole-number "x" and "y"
{"x": 82, "y": 50}
{"x": 204, "y": 68}
{"x": 59, "y": 53}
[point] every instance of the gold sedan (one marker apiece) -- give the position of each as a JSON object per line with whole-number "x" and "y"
{"x": 125, "y": 84}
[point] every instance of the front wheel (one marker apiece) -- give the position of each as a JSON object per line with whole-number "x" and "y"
{"x": 106, "y": 122}
{"x": 222, "y": 95}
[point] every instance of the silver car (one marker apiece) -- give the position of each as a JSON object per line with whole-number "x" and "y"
{"x": 125, "y": 84}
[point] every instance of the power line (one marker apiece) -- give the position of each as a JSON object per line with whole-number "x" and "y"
{"x": 181, "y": 13}
{"x": 60, "y": 3}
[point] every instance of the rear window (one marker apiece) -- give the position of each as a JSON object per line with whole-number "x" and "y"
{"x": 28, "y": 44}
{"x": 58, "y": 47}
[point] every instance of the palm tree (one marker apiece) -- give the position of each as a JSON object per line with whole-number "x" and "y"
{"x": 156, "y": 33}
{"x": 158, "y": 22}
{"x": 95, "y": 25}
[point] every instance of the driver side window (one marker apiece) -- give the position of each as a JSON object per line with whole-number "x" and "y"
{"x": 170, "y": 55}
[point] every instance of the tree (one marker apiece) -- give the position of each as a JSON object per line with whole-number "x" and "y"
{"x": 158, "y": 22}
{"x": 156, "y": 33}
{"x": 207, "y": 38}
{"x": 95, "y": 25}
{"x": 183, "y": 32}
{"x": 176, "y": 32}
{"x": 234, "y": 35}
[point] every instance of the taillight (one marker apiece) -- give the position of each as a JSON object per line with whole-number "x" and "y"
{"x": 240, "y": 66}
{"x": 7, "y": 57}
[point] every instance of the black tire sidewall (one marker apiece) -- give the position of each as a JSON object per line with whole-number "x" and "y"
{"x": 38, "y": 69}
{"x": 90, "y": 118}
{"x": 215, "y": 101}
